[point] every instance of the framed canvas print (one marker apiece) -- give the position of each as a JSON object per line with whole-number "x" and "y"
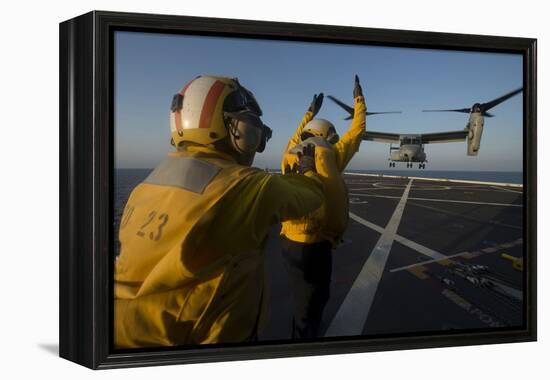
{"x": 237, "y": 189}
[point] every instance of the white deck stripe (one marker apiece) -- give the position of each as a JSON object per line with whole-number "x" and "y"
{"x": 353, "y": 312}
{"x": 439, "y": 200}
{"x": 438, "y": 179}
{"x": 366, "y": 223}
{"x": 400, "y": 239}
{"x": 431, "y": 188}
{"x": 504, "y": 189}
{"x": 512, "y": 292}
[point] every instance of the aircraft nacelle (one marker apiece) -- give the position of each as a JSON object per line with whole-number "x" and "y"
{"x": 475, "y": 130}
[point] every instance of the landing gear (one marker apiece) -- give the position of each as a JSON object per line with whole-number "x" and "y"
{"x": 392, "y": 164}
{"x": 421, "y": 166}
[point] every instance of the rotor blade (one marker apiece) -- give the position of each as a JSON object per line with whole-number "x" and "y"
{"x": 351, "y": 111}
{"x": 487, "y": 106}
{"x": 342, "y": 104}
{"x": 378, "y": 113}
{"x": 487, "y": 114}
{"x": 464, "y": 110}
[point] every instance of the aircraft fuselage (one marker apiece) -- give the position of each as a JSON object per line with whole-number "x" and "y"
{"x": 408, "y": 153}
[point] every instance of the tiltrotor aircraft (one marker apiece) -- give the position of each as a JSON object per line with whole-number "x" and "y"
{"x": 411, "y": 146}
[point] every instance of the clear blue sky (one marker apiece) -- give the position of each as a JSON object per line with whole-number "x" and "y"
{"x": 150, "y": 68}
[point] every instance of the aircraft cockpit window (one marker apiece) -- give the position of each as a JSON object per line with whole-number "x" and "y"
{"x": 410, "y": 140}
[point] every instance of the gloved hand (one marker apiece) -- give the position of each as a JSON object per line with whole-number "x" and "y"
{"x": 316, "y": 104}
{"x": 306, "y": 159}
{"x": 357, "y": 90}
{"x": 290, "y": 170}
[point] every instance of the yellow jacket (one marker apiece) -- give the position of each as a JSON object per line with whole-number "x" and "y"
{"x": 329, "y": 221}
{"x": 191, "y": 268}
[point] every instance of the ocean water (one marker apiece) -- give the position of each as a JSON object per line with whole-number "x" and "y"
{"x": 125, "y": 181}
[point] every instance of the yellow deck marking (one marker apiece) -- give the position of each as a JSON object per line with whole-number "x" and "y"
{"x": 419, "y": 272}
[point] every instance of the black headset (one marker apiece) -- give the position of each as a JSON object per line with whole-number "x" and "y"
{"x": 242, "y": 111}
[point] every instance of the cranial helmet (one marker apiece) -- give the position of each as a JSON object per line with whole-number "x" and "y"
{"x": 320, "y": 128}
{"x": 210, "y": 108}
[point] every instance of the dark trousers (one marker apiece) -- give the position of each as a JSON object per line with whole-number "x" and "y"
{"x": 309, "y": 267}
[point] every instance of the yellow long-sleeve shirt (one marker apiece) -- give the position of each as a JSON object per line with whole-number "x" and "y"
{"x": 191, "y": 267}
{"x": 330, "y": 220}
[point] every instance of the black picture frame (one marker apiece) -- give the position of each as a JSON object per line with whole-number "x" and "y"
{"x": 86, "y": 184}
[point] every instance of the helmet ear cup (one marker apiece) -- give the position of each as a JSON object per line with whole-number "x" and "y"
{"x": 332, "y": 137}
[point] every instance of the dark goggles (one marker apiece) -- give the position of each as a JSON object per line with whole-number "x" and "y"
{"x": 252, "y": 120}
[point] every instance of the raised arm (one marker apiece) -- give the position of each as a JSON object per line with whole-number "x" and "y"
{"x": 349, "y": 143}
{"x": 313, "y": 109}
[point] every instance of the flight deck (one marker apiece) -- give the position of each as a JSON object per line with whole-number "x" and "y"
{"x": 418, "y": 256}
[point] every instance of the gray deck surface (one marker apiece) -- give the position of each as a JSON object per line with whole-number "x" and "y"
{"x": 386, "y": 282}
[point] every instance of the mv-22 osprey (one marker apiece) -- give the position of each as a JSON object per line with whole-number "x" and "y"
{"x": 411, "y": 146}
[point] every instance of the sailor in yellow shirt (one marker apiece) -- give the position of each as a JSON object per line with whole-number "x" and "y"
{"x": 308, "y": 241}
{"x": 191, "y": 263}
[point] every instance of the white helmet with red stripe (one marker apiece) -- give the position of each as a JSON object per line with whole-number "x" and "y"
{"x": 209, "y": 108}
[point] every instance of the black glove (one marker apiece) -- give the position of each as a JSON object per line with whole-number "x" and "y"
{"x": 357, "y": 90}
{"x": 316, "y": 104}
{"x": 306, "y": 159}
{"x": 291, "y": 170}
